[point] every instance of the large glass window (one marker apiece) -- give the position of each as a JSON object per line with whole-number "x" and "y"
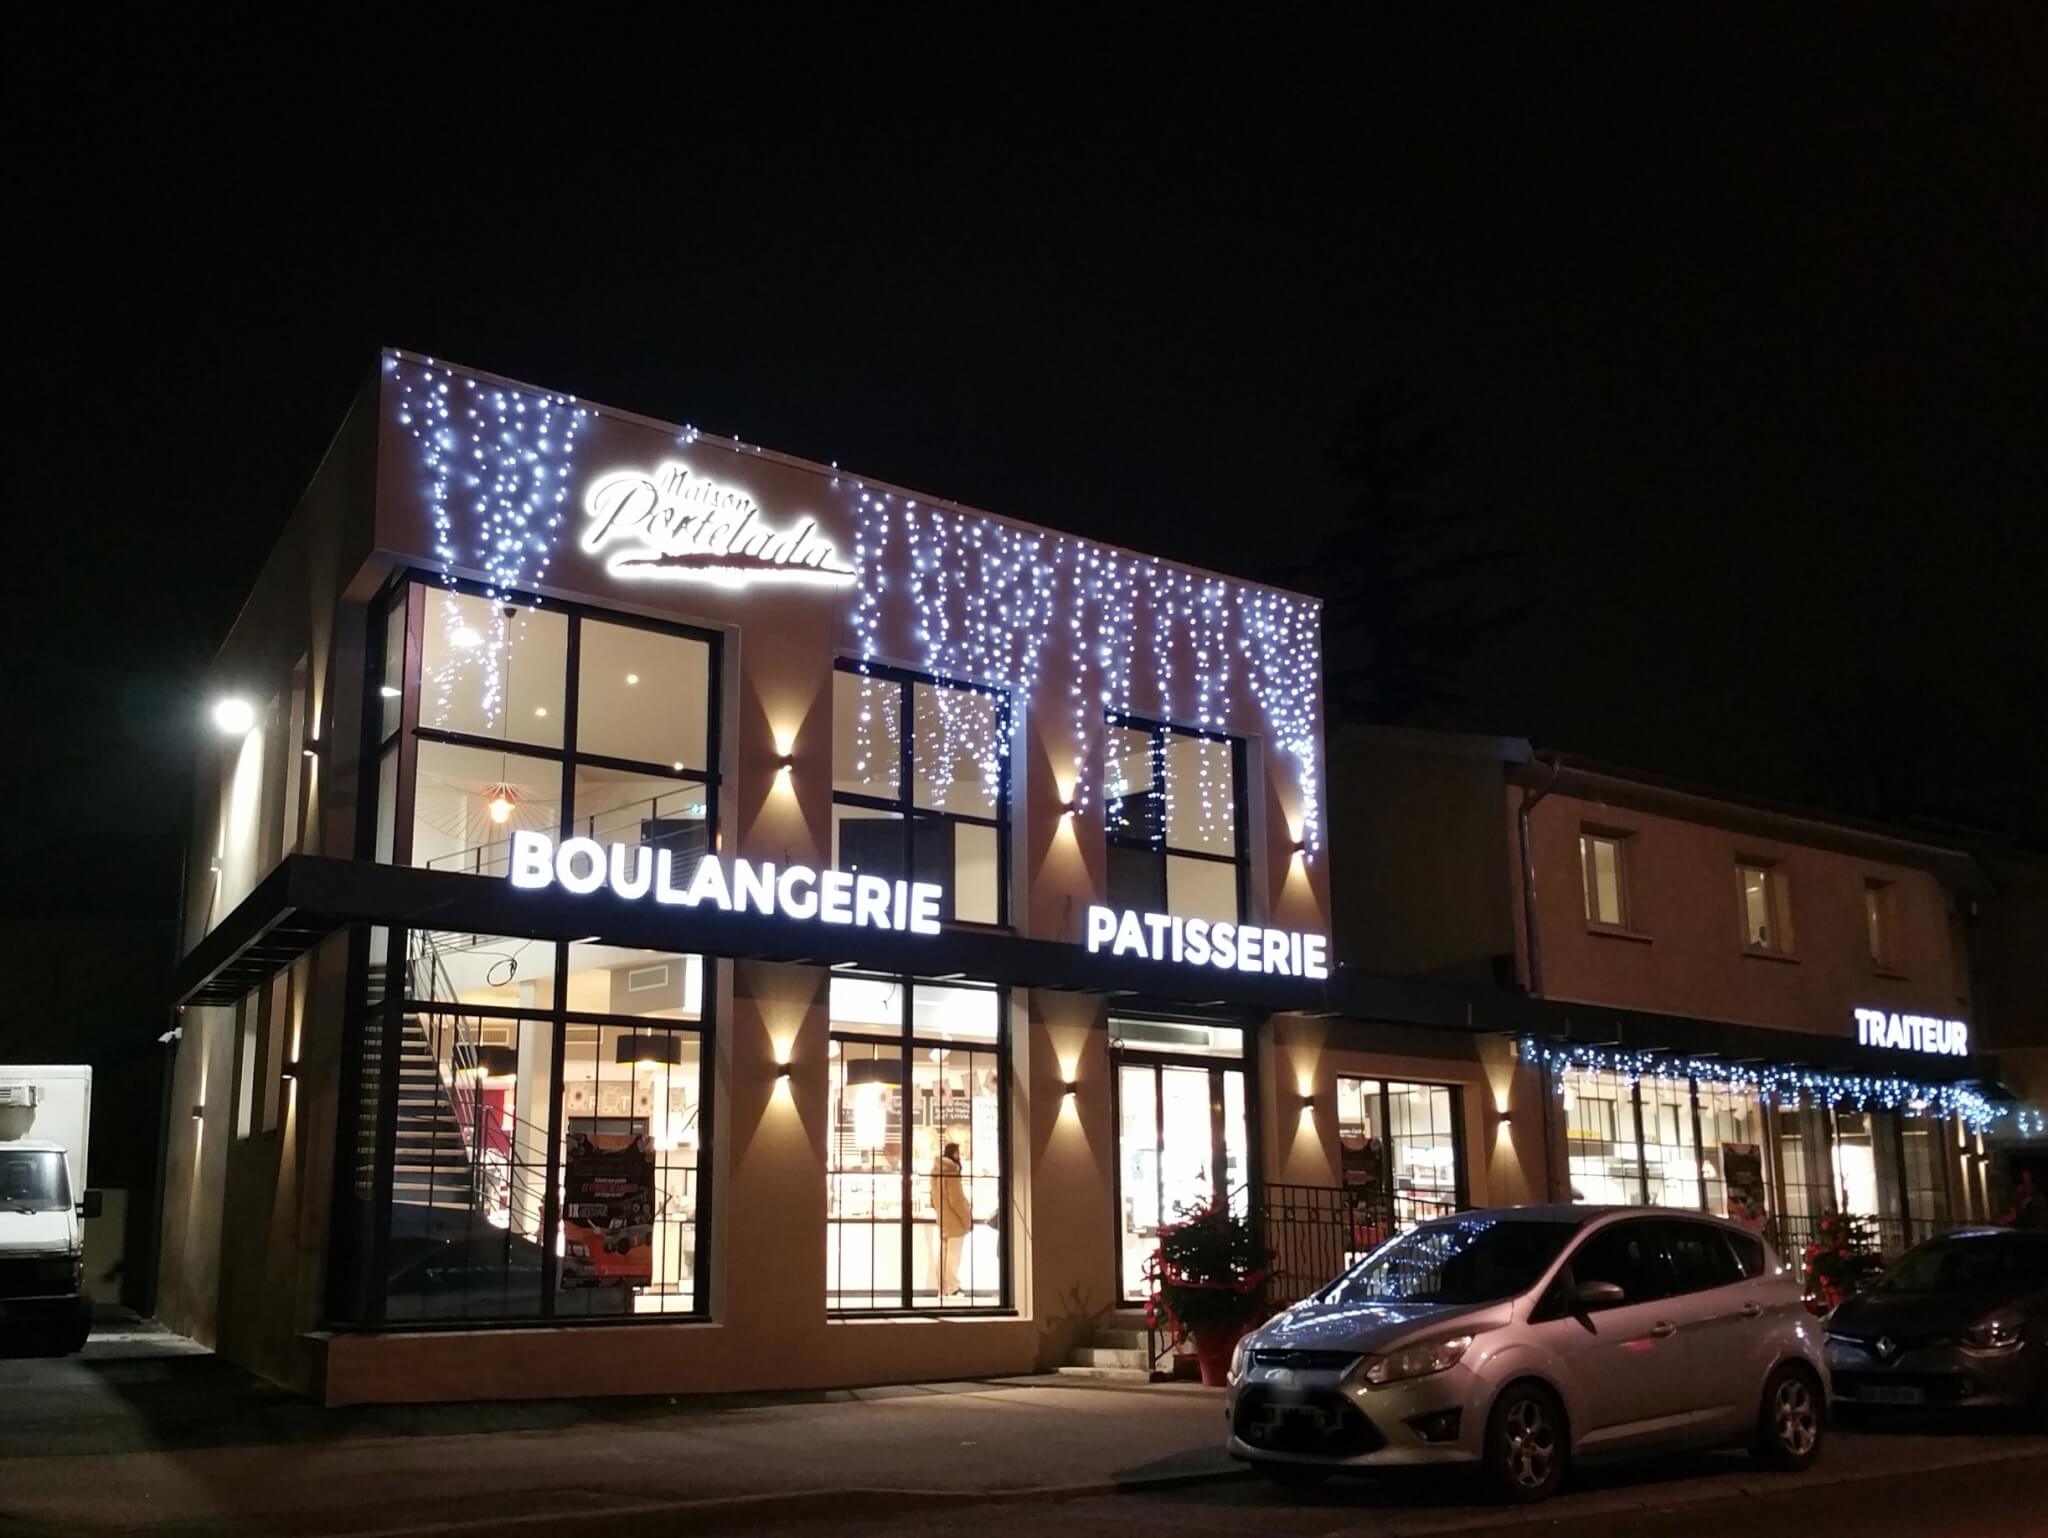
{"x": 547, "y": 1136}
{"x": 917, "y": 1146}
{"x": 501, "y": 715}
{"x": 1671, "y": 1155}
{"x": 1603, "y": 1148}
{"x": 1171, "y": 816}
{"x": 1734, "y": 1162}
{"x": 920, "y": 786}
{"x": 1402, "y": 1154}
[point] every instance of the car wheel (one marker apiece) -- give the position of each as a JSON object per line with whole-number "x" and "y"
{"x": 1525, "y": 1443}
{"x": 1790, "y": 1420}
{"x": 1292, "y": 1476}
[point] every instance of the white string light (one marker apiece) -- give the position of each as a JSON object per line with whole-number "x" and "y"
{"x": 503, "y": 457}
{"x": 1789, "y": 1088}
{"x": 984, "y": 601}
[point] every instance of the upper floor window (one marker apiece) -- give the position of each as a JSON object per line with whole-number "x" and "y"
{"x": 920, "y": 786}
{"x": 498, "y": 715}
{"x": 1175, "y": 830}
{"x": 1766, "y": 907}
{"x": 1881, "y": 924}
{"x": 1603, "y": 871}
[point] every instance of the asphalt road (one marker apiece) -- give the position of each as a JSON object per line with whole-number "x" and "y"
{"x": 1995, "y": 1500}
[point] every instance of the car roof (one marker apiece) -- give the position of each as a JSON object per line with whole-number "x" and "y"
{"x": 1582, "y": 1214}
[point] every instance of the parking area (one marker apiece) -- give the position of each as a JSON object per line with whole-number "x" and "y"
{"x": 146, "y": 1433}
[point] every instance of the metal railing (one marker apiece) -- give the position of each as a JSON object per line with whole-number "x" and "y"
{"x": 1317, "y": 1233}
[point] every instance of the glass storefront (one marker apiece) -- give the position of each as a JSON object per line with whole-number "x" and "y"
{"x": 1402, "y": 1154}
{"x": 1182, "y": 1139}
{"x": 547, "y": 1136}
{"x": 917, "y": 1154}
{"x": 1673, "y": 1143}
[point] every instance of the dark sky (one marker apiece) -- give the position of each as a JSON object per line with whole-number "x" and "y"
{"x": 1729, "y": 329}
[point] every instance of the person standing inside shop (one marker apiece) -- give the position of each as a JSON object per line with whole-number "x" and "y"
{"x": 956, "y": 1217}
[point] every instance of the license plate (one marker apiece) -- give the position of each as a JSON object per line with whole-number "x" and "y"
{"x": 1894, "y": 1395}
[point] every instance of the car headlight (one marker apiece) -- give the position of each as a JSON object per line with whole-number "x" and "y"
{"x": 1238, "y": 1353}
{"x": 1418, "y": 1360}
{"x": 1995, "y": 1335}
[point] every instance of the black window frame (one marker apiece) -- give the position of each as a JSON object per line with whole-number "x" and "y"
{"x": 1154, "y": 843}
{"x": 413, "y": 589}
{"x": 907, "y": 1043}
{"x": 903, "y": 805}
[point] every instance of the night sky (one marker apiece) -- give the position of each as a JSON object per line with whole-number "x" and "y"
{"x": 1672, "y": 396}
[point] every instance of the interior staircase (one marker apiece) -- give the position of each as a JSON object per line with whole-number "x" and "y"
{"x": 430, "y": 1156}
{"x": 1115, "y": 1352}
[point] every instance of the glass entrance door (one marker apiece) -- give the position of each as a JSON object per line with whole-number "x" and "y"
{"x": 1180, "y": 1147}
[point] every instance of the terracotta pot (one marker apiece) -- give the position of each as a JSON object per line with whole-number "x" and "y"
{"x": 1212, "y": 1352}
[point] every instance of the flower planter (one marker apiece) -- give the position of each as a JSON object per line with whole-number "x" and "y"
{"x": 1212, "y": 1353}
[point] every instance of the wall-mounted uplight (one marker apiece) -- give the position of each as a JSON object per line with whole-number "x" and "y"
{"x": 782, "y": 1070}
{"x": 785, "y": 764}
{"x": 234, "y": 716}
{"x": 1308, "y": 1102}
{"x": 199, "y": 1113}
{"x": 290, "y": 1070}
{"x": 1070, "y": 1088}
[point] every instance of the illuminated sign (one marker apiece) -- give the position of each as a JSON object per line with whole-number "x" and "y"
{"x": 670, "y": 524}
{"x": 634, "y": 871}
{"x": 1913, "y": 1033}
{"x": 1199, "y": 942}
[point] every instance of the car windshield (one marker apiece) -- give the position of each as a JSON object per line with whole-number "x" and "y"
{"x": 1462, "y": 1260}
{"x": 1964, "y": 1262}
{"x": 32, "y": 1180}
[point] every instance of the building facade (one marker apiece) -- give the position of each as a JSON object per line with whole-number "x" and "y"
{"x": 671, "y": 917}
{"x": 1760, "y": 1011}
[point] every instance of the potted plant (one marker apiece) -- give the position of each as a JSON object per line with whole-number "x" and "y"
{"x": 1841, "y": 1261}
{"x": 1209, "y": 1285}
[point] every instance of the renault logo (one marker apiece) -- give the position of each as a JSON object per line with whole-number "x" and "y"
{"x": 1887, "y": 1348}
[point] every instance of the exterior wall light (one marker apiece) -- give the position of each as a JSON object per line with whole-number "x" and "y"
{"x": 290, "y": 1070}
{"x": 785, "y": 765}
{"x": 782, "y": 1070}
{"x": 199, "y": 1113}
{"x": 1308, "y": 1102}
{"x": 1070, "y": 1088}
{"x": 234, "y": 716}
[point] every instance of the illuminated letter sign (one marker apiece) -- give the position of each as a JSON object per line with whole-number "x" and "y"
{"x": 1200, "y": 943}
{"x": 633, "y": 871}
{"x": 670, "y": 524}
{"x": 1913, "y": 1033}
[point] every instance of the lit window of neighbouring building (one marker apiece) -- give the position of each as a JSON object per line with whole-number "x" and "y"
{"x": 1766, "y": 900}
{"x": 1601, "y": 864}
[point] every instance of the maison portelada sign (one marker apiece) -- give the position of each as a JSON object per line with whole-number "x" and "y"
{"x": 1899, "y": 1032}
{"x": 672, "y": 524}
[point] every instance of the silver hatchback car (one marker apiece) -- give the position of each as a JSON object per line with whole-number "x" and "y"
{"x": 1522, "y": 1338}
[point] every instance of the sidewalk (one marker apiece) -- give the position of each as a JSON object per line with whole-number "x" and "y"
{"x": 147, "y": 1435}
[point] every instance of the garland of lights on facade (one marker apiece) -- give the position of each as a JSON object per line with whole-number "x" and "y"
{"x": 1788, "y": 1088}
{"x": 992, "y": 599}
{"x": 505, "y": 457}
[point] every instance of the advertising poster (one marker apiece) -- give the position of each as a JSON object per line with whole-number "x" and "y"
{"x": 1742, "y": 1166}
{"x": 608, "y": 1211}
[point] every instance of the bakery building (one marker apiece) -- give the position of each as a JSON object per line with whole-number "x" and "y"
{"x": 665, "y": 916}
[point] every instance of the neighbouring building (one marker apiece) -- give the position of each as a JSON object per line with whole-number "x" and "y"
{"x": 1757, "y": 1010}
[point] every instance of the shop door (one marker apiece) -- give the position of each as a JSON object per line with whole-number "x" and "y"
{"x": 1181, "y": 1146}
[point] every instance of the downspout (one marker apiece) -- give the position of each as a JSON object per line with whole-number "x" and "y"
{"x": 1533, "y": 948}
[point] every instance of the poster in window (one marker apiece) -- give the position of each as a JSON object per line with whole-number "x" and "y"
{"x": 1742, "y": 1168}
{"x": 607, "y": 1210}
{"x": 1362, "y": 1166}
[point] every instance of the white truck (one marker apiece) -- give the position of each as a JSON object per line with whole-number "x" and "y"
{"x": 45, "y": 1116}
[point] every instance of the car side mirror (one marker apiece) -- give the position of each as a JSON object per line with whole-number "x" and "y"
{"x": 1593, "y": 1296}
{"x": 90, "y": 1206}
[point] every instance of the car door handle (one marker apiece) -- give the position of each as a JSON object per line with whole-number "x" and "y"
{"x": 1752, "y": 1310}
{"x": 1662, "y": 1328}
